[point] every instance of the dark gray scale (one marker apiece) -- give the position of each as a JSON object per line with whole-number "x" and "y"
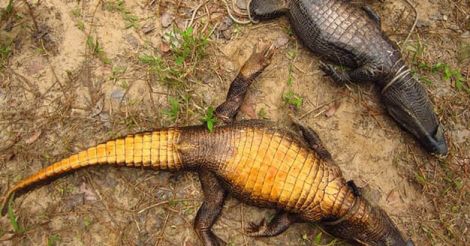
{"x": 350, "y": 36}
{"x": 341, "y": 34}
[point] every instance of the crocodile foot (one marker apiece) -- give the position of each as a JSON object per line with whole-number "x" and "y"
{"x": 210, "y": 239}
{"x": 337, "y": 76}
{"x": 276, "y": 226}
{"x": 256, "y": 229}
{"x": 257, "y": 62}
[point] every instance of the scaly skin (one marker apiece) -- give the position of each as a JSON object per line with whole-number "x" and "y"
{"x": 255, "y": 161}
{"x": 344, "y": 34}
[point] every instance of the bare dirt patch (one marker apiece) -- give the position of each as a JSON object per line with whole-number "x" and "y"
{"x": 73, "y": 74}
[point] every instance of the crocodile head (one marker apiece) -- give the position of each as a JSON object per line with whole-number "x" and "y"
{"x": 407, "y": 102}
{"x": 374, "y": 228}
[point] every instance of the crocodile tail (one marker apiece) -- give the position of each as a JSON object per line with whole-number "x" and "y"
{"x": 157, "y": 150}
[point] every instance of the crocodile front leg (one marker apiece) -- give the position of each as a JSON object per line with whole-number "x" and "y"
{"x": 365, "y": 73}
{"x": 214, "y": 197}
{"x": 276, "y": 226}
{"x": 257, "y": 62}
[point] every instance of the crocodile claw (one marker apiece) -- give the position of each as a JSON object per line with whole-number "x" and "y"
{"x": 257, "y": 62}
{"x": 331, "y": 71}
{"x": 256, "y": 229}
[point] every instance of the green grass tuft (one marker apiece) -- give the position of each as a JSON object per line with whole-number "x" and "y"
{"x": 131, "y": 20}
{"x": 209, "y": 119}
{"x": 291, "y": 98}
{"x": 13, "y": 219}
{"x": 173, "y": 110}
{"x": 187, "y": 46}
{"x": 97, "y": 50}
{"x": 8, "y": 11}
{"x": 53, "y": 240}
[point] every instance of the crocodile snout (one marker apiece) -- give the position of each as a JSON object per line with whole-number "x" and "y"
{"x": 437, "y": 144}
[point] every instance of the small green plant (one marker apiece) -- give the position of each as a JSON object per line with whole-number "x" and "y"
{"x": 124, "y": 84}
{"x": 187, "y": 49}
{"x": 116, "y": 72}
{"x": 130, "y": 19}
{"x": 173, "y": 110}
{"x": 317, "y": 239}
{"x": 262, "y": 114}
{"x": 12, "y": 217}
{"x": 291, "y": 98}
{"x": 173, "y": 203}
{"x": 421, "y": 179}
{"x": 451, "y": 74}
{"x": 187, "y": 46}
{"x": 76, "y": 12}
{"x": 80, "y": 25}
{"x": 53, "y": 240}
{"x": 290, "y": 77}
{"x": 171, "y": 76}
{"x": 87, "y": 221}
{"x": 8, "y": 11}
{"x": 64, "y": 189}
{"x": 209, "y": 119}
{"x": 417, "y": 49}
{"x": 5, "y": 51}
{"x": 97, "y": 50}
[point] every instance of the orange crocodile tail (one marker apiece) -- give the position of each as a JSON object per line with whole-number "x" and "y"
{"x": 157, "y": 149}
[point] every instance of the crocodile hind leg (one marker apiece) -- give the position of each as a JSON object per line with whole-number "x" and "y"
{"x": 267, "y": 9}
{"x": 214, "y": 197}
{"x": 276, "y": 226}
{"x": 365, "y": 73}
{"x": 257, "y": 62}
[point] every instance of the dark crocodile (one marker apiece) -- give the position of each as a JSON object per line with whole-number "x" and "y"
{"x": 255, "y": 161}
{"x": 350, "y": 36}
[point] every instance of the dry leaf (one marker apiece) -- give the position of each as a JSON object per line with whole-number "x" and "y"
{"x": 166, "y": 19}
{"x": 7, "y": 236}
{"x": 332, "y": 109}
{"x": 33, "y": 137}
{"x": 248, "y": 108}
{"x": 281, "y": 41}
{"x": 393, "y": 197}
{"x": 164, "y": 47}
{"x": 89, "y": 194}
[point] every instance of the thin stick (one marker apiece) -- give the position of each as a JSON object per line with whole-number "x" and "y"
{"x": 317, "y": 108}
{"x": 234, "y": 19}
{"x": 195, "y": 12}
{"x": 162, "y": 234}
{"x": 414, "y": 23}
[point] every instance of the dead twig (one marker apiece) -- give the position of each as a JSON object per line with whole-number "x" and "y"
{"x": 317, "y": 108}
{"x": 414, "y": 23}
{"x": 195, "y": 12}
{"x": 235, "y": 19}
{"x": 163, "y": 230}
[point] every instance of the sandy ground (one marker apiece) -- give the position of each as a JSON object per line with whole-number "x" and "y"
{"x": 59, "y": 93}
